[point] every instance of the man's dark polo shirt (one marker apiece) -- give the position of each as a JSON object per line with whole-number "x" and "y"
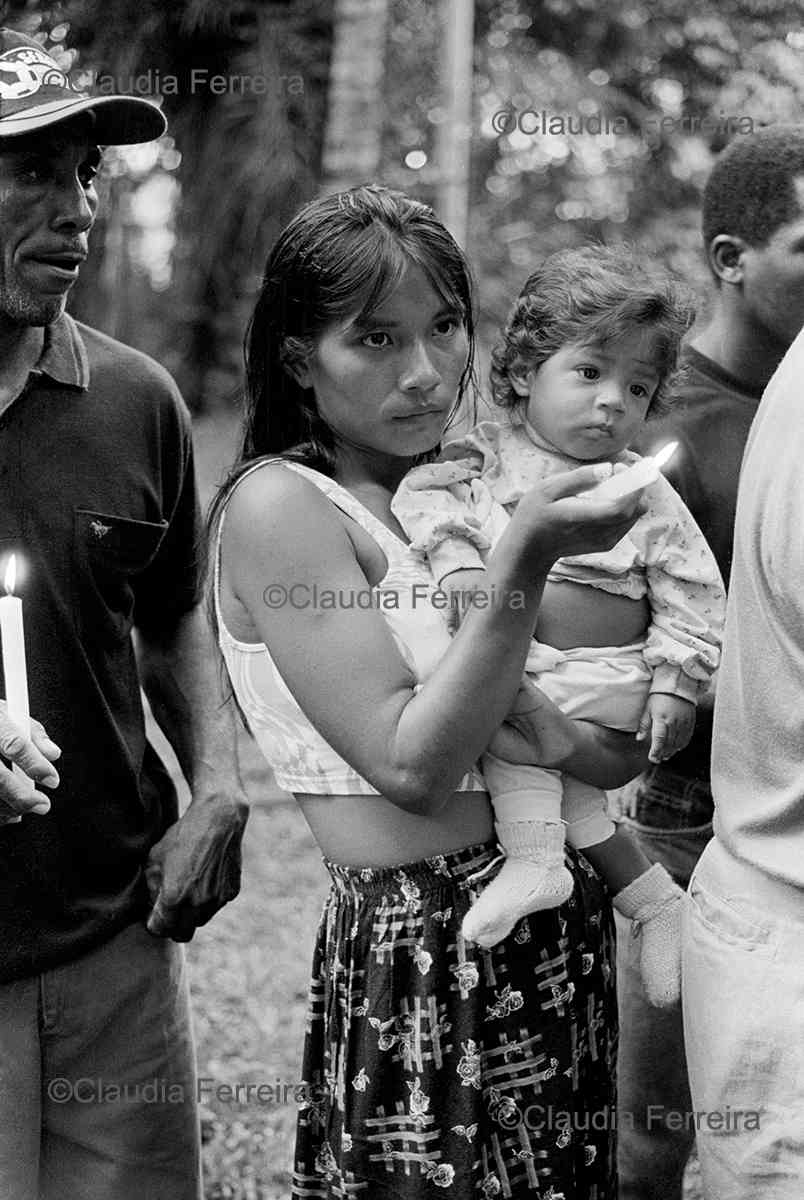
{"x": 98, "y": 500}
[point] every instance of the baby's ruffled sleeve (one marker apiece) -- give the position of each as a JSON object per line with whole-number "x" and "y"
{"x": 449, "y": 514}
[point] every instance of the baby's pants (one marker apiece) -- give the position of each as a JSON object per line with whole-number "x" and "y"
{"x": 607, "y": 685}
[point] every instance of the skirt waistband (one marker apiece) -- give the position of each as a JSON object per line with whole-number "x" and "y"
{"x": 467, "y": 865}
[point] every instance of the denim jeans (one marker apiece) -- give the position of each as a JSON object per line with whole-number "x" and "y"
{"x": 743, "y": 949}
{"x": 671, "y": 821}
{"x": 97, "y": 1078}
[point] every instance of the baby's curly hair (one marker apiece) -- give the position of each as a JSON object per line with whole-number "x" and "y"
{"x": 592, "y": 294}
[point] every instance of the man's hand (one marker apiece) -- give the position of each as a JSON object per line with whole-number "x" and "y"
{"x": 670, "y": 721}
{"x": 35, "y": 757}
{"x": 195, "y": 869}
{"x": 461, "y": 587}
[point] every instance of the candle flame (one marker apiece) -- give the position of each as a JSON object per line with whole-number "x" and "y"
{"x": 11, "y": 575}
{"x": 665, "y": 454}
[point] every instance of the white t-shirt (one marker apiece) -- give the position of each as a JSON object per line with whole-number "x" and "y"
{"x": 758, "y": 740}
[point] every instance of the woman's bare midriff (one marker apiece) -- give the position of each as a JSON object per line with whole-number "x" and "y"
{"x": 370, "y": 831}
{"x": 575, "y": 614}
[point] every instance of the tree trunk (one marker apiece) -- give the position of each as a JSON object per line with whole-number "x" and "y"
{"x": 453, "y": 142}
{"x": 353, "y": 136}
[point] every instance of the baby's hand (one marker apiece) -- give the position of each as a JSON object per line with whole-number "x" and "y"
{"x": 670, "y": 721}
{"x": 461, "y": 587}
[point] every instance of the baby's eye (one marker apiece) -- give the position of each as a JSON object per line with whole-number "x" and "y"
{"x": 589, "y": 373}
{"x": 375, "y": 339}
{"x": 639, "y": 390}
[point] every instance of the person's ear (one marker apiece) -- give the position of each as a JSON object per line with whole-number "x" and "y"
{"x": 725, "y": 254}
{"x": 520, "y": 381}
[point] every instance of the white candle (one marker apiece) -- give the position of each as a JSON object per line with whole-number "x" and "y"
{"x": 14, "y": 670}
{"x": 634, "y": 478}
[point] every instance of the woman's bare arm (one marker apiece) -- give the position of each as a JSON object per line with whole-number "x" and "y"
{"x": 342, "y": 664}
{"x": 537, "y": 732}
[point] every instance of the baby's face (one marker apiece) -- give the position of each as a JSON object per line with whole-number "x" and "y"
{"x": 589, "y": 400}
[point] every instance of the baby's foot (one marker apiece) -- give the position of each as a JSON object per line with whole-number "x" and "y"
{"x": 654, "y": 904}
{"x": 532, "y": 878}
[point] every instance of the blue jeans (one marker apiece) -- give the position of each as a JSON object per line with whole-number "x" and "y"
{"x": 97, "y": 1078}
{"x": 672, "y": 822}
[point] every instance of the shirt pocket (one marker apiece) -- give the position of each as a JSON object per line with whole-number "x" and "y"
{"x": 110, "y": 552}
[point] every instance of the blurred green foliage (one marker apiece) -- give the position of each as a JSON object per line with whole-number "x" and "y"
{"x": 179, "y": 250}
{"x": 184, "y": 228}
{"x": 653, "y": 74}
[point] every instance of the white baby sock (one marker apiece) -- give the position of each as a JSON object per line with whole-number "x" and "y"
{"x": 653, "y": 903}
{"x": 532, "y": 877}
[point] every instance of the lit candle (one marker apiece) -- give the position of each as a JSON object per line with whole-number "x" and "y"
{"x": 634, "y": 478}
{"x": 14, "y": 670}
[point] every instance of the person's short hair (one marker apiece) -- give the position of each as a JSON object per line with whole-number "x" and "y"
{"x": 591, "y": 295}
{"x": 751, "y": 189}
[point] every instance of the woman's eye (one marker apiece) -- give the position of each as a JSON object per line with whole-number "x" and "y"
{"x": 88, "y": 175}
{"x": 589, "y": 373}
{"x": 378, "y": 340}
{"x": 447, "y": 326}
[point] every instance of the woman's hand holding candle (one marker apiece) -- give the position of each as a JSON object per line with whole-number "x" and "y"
{"x": 633, "y": 479}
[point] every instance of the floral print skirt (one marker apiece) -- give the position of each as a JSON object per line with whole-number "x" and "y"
{"x": 434, "y": 1068}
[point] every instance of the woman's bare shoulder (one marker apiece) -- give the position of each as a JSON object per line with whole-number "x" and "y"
{"x": 274, "y": 496}
{"x": 278, "y": 517}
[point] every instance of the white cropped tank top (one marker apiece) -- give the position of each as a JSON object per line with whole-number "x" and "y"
{"x": 302, "y": 761}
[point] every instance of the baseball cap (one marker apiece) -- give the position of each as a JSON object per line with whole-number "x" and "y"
{"x": 36, "y": 92}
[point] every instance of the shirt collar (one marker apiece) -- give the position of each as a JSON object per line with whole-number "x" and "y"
{"x": 64, "y": 356}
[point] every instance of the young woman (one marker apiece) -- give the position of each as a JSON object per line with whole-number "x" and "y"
{"x": 430, "y": 1065}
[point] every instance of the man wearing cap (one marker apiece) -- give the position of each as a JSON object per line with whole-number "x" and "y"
{"x": 98, "y": 505}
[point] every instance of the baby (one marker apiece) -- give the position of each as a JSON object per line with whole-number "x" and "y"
{"x": 629, "y": 638}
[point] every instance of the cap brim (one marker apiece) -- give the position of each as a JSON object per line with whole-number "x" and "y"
{"x": 119, "y": 120}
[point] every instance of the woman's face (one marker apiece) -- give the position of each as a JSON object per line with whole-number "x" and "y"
{"x": 388, "y": 386}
